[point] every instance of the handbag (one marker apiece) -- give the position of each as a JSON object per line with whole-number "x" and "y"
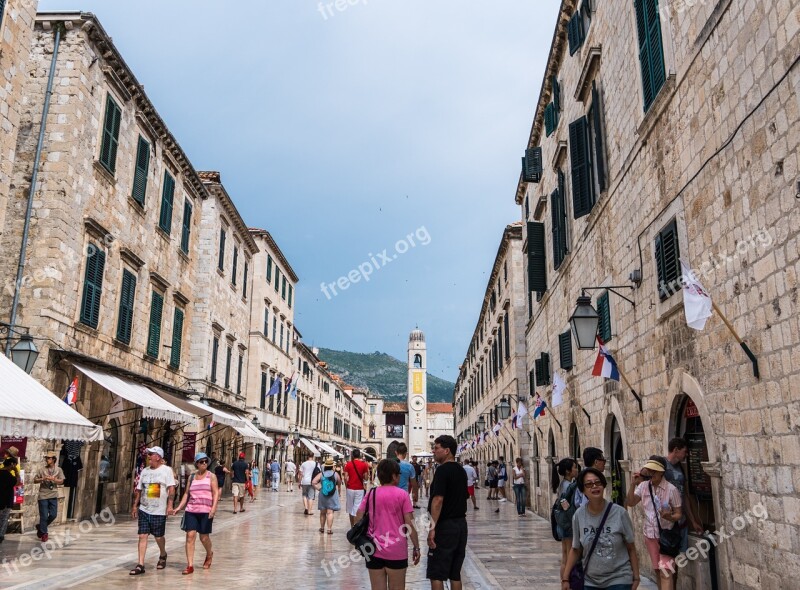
{"x": 669, "y": 540}
{"x": 577, "y": 577}
{"x": 358, "y": 535}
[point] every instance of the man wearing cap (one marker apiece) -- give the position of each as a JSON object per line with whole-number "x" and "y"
{"x": 49, "y": 478}
{"x": 241, "y": 475}
{"x": 154, "y": 497}
{"x": 661, "y": 503}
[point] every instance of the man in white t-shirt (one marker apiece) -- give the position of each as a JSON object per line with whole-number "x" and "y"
{"x": 306, "y": 475}
{"x": 154, "y": 496}
{"x": 472, "y": 476}
{"x": 291, "y": 471}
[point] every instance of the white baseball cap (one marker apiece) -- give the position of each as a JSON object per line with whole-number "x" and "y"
{"x": 157, "y": 450}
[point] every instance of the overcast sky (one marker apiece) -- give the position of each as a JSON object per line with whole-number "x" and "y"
{"x": 344, "y": 131}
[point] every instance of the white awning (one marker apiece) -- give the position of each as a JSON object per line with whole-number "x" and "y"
{"x": 251, "y": 434}
{"x": 310, "y": 446}
{"x": 152, "y": 404}
{"x": 368, "y": 455}
{"x": 29, "y": 409}
{"x": 328, "y": 449}
{"x": 220, "y": 416}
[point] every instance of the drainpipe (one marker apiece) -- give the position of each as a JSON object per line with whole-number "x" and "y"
{"x": 34, "y": 177}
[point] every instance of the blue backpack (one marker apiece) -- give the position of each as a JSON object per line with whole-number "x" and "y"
{"x": 328, "y": 485}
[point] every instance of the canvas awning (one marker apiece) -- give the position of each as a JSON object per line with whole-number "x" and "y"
{"x": 152, "y": 404}
{"x": 328, "y": 449}
{"x": 251, "y": 434}
{"x": 310, "y": 446}
{"x": 220, "y": 416}
{"x": 29, "y": 409}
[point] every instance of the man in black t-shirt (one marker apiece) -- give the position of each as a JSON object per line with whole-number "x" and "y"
{"x": 447, "y": 539}
{"x": 241, "y": 475}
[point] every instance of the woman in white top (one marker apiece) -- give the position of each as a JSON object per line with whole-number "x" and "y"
{"x": 519, "y": 487}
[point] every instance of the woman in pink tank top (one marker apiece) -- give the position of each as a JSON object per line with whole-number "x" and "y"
{"x": 200, "y": 501}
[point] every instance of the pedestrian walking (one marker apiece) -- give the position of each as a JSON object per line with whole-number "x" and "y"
{"x": 678, "y": 448}
{"x": 520, "y": 489}
{"x": 472, "y": 476}
{"x": 491, "y": 480}
{"x": 275, "y": 469}
{"x": 602, "y": 530}
{"x": 356, "y": 472}
{"x": 220, "y": 471}
{"x": 8, "y": 481}
{"x": 417, "y": 480}
{"x": 502, "y": 479}
{"x": 390, "y": 513}
{"x": 407, "y": 474}
{"x": 661, "y": 503}
{"x": 255, "y": 479}
{"x": 308, "y": 470}
{"x": 241, "y": 475}
{"x": 155, "y": 492}
{"x": 327, "y": 482}
{"x": 447, "y": 540}
{"x": 200, "y": 500}
{"x": 427, "y": 477}
{"x": 49, "y": 478}
{"x": 567, "y": 469}
{"x": 290, "y": 470}
{"x": 592, "y": 457}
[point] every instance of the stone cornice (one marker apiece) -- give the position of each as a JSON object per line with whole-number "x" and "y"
{"x": 262, "y": 233}
{"x": 217, "y": 189}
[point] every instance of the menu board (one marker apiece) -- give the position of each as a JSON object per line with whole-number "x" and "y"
{"x": 20, "y": 443}
{"x": 187, "y": 451}
{"x": 699, "y": 481}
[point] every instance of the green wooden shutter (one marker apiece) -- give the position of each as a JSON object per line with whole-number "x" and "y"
{"x": 575, "y": 32}
{"x": 549, "y": 119}
{"x": 154, "y": 333}
{"x": 263, "y": 391}
{"x": 93, "y": 286}
{"x": 269, "y": 268}
{"x": 235, "y": 264}
{"x": 277, "y": 279}
{"x": 239, "y": 375}
{"x": 651, "y": 52}
{"x": 177, "y": 339}
{"x": 167, "y": 196}
{"x": 565, "y": 350}
{"x": 110, "y": 141}
{"x": 291, "y": 294}
{"x": 228, "y": 358}
{"x": 532, "y": 379}
{"x": 532, "y": 165}
{"x": 582, "y": 190}
{"x": 604, "y": 311}
{"x": 546, "y": 367}
{"x": 668, "y": 261}
{"x": 283, "y": 287}
{"x": 244, "y": 280}
{"x": 221, "y": 262}
{"x": 214, "y": 358}
{"x": 537, "y": 259}
{"x": 598, "y": 138}
{"x": 186, "y": 230}
{"x": 126, "y": 300}
{"x": 556, "y": 94}
{"x": 140, "y": 173}
{"x": 2, "y": 10}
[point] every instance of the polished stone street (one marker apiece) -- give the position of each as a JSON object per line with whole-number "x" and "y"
{"x": 271, "y": 545}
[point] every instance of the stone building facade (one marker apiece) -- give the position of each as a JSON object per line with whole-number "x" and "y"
{"x": 494, "y": 369}
{"x": 669, "y": 130}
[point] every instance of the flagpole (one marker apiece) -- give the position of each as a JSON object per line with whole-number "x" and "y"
{"x": 741, "y": 342}
{"x": 628, "y": 383}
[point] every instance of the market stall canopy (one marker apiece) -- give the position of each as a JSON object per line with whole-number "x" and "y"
{"x": 29, "y": 409}
{"x": 423, "y": 455}
{"x": 153, "y": 405}
{"x": 251, "y": 434}
{"x": 220, "y": 416}
{"x": 310, "y": 446}
{"x": 328, "y": 449}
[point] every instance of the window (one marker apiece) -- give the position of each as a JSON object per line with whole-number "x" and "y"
{"x": 266, "y": 322}
{"x": 527, "y": 208}
{"x": 2, "y": 10}
{"x": 235, "y": 264}
{"x": 291, "y": 294}
{"x": 92, "y": 286}
{"x": 507, "y": 336}
{"x": 263, "y": 390}
{"x": 221, "y": 262}
{"x": 283, "y": 287}
{"x": 281, "y": 341}
{"x": 167, "y": 196}
{"x": 583, "y": 195}
{"x": 575, "y": 32}
{"x": 565, "y": 350}
{"x": 186, "y": 230}
{"x": 550, "y": 119}
{"x": 542, "y": 367}
{"x": 274, "y": 328}
{"x": 228, "y": 359}
{"x": 277, "y": 279}
{"x": 596, "y": 142}
{"x": 239, "y": 375}
{"x": 537, "y": 261}
{"x": 604, "y": 323}
{"x": 668, "y": 261}
{"x": 272, "y": 397}
{"x": 154, "y": 332}
{"x": 558, "y": 207}
{"x": 214, "y": 358}
{"x": 269, "y": 268}
{"x": 140, "y": 173}
{"x": 177, "y": 339}
{"x": 532, "y": 165}
{"x": 126, "y": 300}
{"x": 651, "y": 51}
{"x": 244, "y": 279}
{"x": 110, "y": 142}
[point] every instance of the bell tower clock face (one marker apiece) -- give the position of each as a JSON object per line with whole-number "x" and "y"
{"x": 417, "y": 403}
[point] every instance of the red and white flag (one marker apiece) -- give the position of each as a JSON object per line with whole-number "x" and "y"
{"x": 72, "y": 392}
{"x": 696, "y": 300}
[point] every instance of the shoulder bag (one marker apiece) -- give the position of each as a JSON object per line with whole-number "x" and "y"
{"x": 669, "y": 540}
{"x": 358, "y": 535}
{"x": 577, "y": 577}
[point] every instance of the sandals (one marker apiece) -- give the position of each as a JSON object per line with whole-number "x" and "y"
{"x": 137, "y": 571}
{"x": 207, "y": 562}
{"x": 189, "y": 570}
{"x": 321, "y": 530}
{"x": 330, "y": 532}
{"x": 162, "y": 562}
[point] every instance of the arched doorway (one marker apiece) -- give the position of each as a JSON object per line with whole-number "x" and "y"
{"x": 689, "y": 425}
{"x": 574, "y": 443}
{"x": 391, "y": 450}
{"x": 616, "y": 445}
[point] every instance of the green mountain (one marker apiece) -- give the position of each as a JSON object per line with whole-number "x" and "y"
{"x": 382, "y": 374}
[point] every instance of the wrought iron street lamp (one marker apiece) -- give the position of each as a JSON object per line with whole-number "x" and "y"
{"x": 584, "y": 323}
{"x": 296, "y": 435}
{"x": 481, "y": 423}
{"x": 504, "y": 408}
{"x": 24, "y": 353}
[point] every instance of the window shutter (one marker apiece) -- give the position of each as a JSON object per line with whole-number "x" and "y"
{"x": 2, "y": 10}
{"x": 575, "y": 33}
{"x": 668, "y": 260}
{"x": 556, "y": 94}
{"x": 244, "y": 280}
{"x": 214, "y": 359}
{"x": 291, "y": 294}
{"x": 228, "y": 359}
{"x": 177, "y": 339}
{"x": 546, "y": 367}
{"x": 186, "y": 230}
{"x": 140, "y": 174}
{"x": 221, "y": 262}
{"x": 269, "y": 268}
{"x": 604, "y": 311}
{"x": 537, "y": 260}
{"x": 239, "y": 375}
{"x": 597, "y": 115}
{"x": 93, "y": 286}
{"x": 235, "y": 265}
{"x": 154, "y": 333}
{"x": 110, "y": 141}
{"x": 126, "y": 299}
{"x": 532, "y": 165}
{"x": 532, "y": 379}
{"x": 565, "y": 350}
{"x": 167, "y": 196}
{"x": 651, "y": 53}
{"x": 559, "y": 238}
{"x": 581, "y": 173}
{"x": 549, "y": 119}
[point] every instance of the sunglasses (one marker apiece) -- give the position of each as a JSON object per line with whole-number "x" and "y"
{"x": 202, "y": 462}
{"x": 590, "y": 485}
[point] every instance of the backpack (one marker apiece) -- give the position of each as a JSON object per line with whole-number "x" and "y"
{"x": 328, "y": 485}
{"x": 564, "y": 517}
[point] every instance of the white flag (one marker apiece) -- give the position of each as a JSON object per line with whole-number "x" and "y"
{"x": 558, "y": 390}
{"x": 696, "y": 300}
{"x": 522, "y": 411}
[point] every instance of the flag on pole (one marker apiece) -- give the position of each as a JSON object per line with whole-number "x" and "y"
{"x": 605, "y": 365}
{"x": 522, "y": 411}
{"x": 293, "y": 385}
{"x": 696, "y": 300}
{"x": 558, "y": 390}
{"x": 539, "y": 408}
{"x": 72, "y": 393}
{"x": 276, "y": 386}
{"x": 497, "y": 428}
{"x": 211, "y": 425}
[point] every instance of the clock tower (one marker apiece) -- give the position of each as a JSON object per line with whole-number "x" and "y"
{"x": 417, "y": 394}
